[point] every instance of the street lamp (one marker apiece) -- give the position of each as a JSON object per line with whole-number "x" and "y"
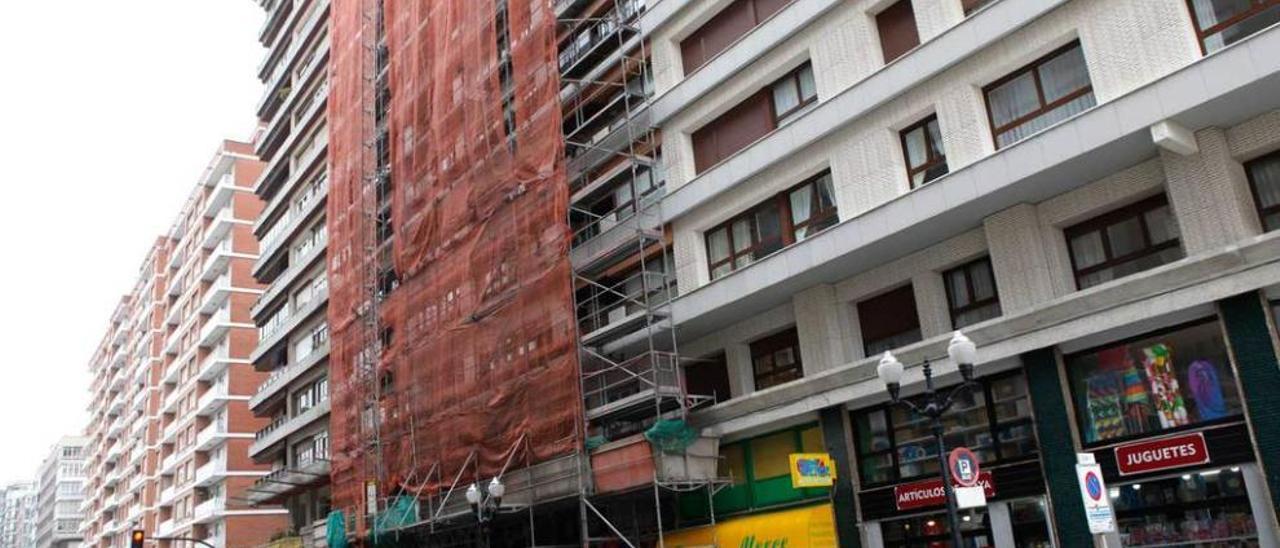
{"x": 486, "y": 508}
{"x": 964, "y": 353}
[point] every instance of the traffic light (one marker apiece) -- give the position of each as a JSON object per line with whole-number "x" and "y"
{"x": 136, "y": 538}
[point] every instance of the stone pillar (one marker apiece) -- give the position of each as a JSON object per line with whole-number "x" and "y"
{"x": 1001, "y": 524}
{"x": 821, "y": 330}
{"x": 737, "y": 359}
{"x": 1244, "y": 317}
{"x": 1018, "y": 258}
{"x": 837, "y": 434}
{"x": 1057, "y": 447}
{"x": 931, "y": 304}
{"x": 1210, "y": 194}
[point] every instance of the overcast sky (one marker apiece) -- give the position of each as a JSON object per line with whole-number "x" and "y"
{"x": 109, "y": 112}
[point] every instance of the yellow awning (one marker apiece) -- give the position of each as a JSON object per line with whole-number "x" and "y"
{"x": 809, "y": 527}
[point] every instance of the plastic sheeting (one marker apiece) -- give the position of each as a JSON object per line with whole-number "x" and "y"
{"x": 482, "y": 351}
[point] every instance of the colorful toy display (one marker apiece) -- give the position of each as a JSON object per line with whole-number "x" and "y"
{"x": 1157, "y": 360}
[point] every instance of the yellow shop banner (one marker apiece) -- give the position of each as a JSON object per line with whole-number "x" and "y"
{"x": 812, "y": 470}
{"x": 809, "y": 527}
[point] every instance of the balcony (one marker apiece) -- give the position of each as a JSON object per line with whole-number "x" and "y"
{"x": 169, "y": 433}
{"x": 220, "y": 195}
{"x": 276, "y": 432}
{"x": 621, "y": 389}
{"x": 167, "y": 495}
{"x": 281, "y": 482}
{"x": 166, "y": 528}
{"x": 274, "y": 23}
{"x": 285, "y": 69}
{"x": 209, "y": 510}
{"x": 139, "y": 400}
{"x": 216, "y": 261}
{"x": 280, "y": 379}
{"x": 218, "y": 228}
{"x": 216, "y": 327}
{"x": 269, "y": 340}
{"x": 587, "y": 48}
{"x": 215, "y": 362}
{"x": 283, "y": 283}
{"x": 277, "y": 240}
{"x": 213, "y": 399}
{"x": 213, "y": 435}
{"x": 170, "y": 403}
{"x": 216, "y": 293}
{"x": 211, "y": 472}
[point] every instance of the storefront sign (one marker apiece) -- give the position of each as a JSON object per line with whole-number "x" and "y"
{"x": 1093, "y": 491}
{"x": 812, "y": 470}
{"x": 964, "y": 466}
{"x": 923, "y": 494}
{"x": 803, "y": 527}
{"x": 1163, "y": 454}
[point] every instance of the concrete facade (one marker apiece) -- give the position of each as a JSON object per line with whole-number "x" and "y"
{"x": 18, "y": 515}
{"x": 61, "y": 494}
{"x": 293, "y": 350}
{"x": 1012, "y": 204}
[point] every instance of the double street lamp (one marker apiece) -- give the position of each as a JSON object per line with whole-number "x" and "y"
{"x": 934, "y": 405}
{"x": 485, "y": 508}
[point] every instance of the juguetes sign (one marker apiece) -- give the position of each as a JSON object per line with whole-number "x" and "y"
{"x": 1162, "y": 454}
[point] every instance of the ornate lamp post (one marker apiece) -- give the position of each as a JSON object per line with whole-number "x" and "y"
{"x": 935, "y": 404}
{"x": 485, "y": 508}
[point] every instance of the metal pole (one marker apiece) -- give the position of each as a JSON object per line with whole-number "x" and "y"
{"x": 935, "y": 408}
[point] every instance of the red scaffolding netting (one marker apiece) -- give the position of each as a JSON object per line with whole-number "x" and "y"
{"x": 482, "y": 349}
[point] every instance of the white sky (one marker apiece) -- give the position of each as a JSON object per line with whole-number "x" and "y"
{"x": 109, "y": 112}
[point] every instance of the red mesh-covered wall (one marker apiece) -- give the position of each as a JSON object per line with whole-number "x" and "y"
{"x": 483, "y": 348}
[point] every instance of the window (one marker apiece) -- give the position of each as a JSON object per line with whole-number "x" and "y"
{"x": 793, "y": 92}
{"x": 1264, "y": 179}
{"x": 889, "y": 320}
{"x": 1050, "y": 90}
{"x": 754, "y": 117}
{"x": 708, "y": 377}
{"x": 1123, "y": 242}
{"x": 1220, "y": 23}
{"x": 971, "y": 6}
{"x": 780, "y": 221}
{"x": 971, "y": 293}
{"x": 776, "y": 359}
{"x": 1153, "y": 384}
{"x": 724, "y": 29}
{"x": 922, "y": 149}
{"x": 1204, "y": 508}
{"x": 993, "y": 419}
{"x": 897, "y": 26}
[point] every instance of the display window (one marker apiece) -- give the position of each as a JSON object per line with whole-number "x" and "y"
{"x": 933, "y": 531}
{"x": 1030, "y": 523}
{"x": 993, "y": 420}
{"x": 1201, "y": 508}
{"x": 1177, "y": 379}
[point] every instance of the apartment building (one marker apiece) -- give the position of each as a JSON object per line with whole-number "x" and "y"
{"x": 1084, "y": 187}
{"x": 18, "y": 515}
{"x": 60, "y": 484}
{"x": 293, "y": 342}
{"x": 170, "y": 423}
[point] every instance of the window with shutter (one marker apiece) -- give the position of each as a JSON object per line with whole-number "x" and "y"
{"x": 897, "y": 26}
{"x": 722, "y": 30}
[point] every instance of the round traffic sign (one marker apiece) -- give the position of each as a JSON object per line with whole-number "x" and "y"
{"x": 964, "y": 466}
{"x": 1093, "y": 485}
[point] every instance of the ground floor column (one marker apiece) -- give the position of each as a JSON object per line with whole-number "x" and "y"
{"x": 837, "y": 434}
{"x": 1244, "y": 317}
{"x": 1057, "y": 450}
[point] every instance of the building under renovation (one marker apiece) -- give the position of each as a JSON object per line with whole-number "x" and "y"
{"x": 598, "y": 268}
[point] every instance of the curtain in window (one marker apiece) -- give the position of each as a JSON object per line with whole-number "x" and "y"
{"x": 1266, "y": 178}
{"x": 1063, "y": 75}
{"x": 801, "y": 206}
{"x": 1212, "y": 12}
{"x": 1013, "y": 99}
{"x": 1066, "y": 110}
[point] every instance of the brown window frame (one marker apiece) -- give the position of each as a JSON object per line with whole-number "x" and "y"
{"x": 782, "y": 202}
{"x": 1258, "y": 6}
{"x": 1035, "y": 75}
{"x": 971, "y": 6}
{"x": 974, "y": 304}
{"x": 787, "y": 338}
{"x": 1099, "y": 223}
{"x": 865, "y": 306}
{"x": 931, "y": 160}
{"x": 757, "y": 18}
{"x": 792, "y": 78}
{"x": 1263, "y": 212}
{"x": 884, "y": 36}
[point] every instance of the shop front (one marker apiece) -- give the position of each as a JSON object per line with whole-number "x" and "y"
{"x": 760, "y": 507}
{"x": 806, "y": 527}
{"x": 899, "y": 491}
{"x": 1163, "y": 416}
